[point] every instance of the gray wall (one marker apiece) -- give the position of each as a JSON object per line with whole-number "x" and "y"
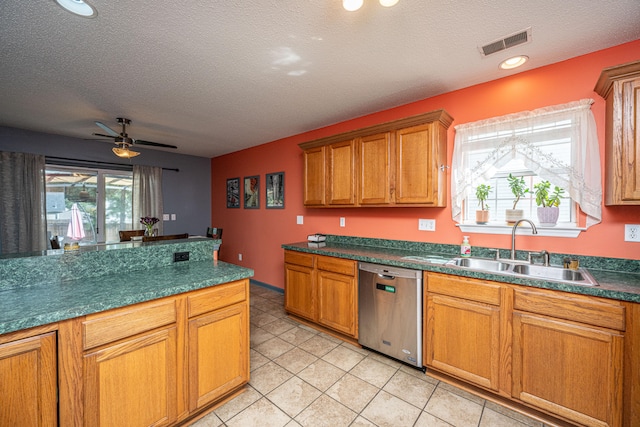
{"x": 186, "y": 193}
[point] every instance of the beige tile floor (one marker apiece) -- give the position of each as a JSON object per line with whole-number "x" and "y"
{"x": 302, "y": 377}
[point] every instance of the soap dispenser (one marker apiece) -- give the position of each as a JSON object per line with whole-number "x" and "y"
{"x": 465, "y": 247}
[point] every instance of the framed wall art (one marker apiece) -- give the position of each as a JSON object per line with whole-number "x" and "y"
{"x": 233, "y": 193}
{"x": 274, "y": 187}
{"x": 252, "y": 192}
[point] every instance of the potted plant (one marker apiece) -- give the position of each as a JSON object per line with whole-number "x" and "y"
{"x": 482, "y": 193}
{"x": 548, "y": 203}
{"x": 519, "y": 189}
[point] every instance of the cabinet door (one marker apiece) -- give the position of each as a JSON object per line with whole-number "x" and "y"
{"x": 300, "y": 291}
{"x": 568, "y": 369}
{"x": 414, "y": 159}
{"x": 341, "y": 173}
{"x": 218, "y": 354}
{"x": 337, "y": 302}
{"x": 314, "y": 176}
{"x": 28, "y": 382}
{"x": 628, "y": 149}
{"x": 375, "y": 169}
{"x": 132, "y": 383}
{"x": 463, "y": 339}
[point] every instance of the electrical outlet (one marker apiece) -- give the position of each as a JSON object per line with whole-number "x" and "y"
{"x": 239, "y": 257}
{"x": 342, "y": 222}
{"x": 632, "y": 233}
{"x": 180, "y": 256}
{"x": 299, "y": 219}
{"x": 427, "y": 224}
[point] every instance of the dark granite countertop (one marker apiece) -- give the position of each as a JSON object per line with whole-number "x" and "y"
{"x": 38, "y": 290}
{"x": 620, "y": 285}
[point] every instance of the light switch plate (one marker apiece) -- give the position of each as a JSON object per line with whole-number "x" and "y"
{"x": 165, "y": 217}
{"x": 299, "y": 219}
{"x": 342, "y": 222}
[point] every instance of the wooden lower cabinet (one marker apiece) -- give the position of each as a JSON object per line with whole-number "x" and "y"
{"x": 300, "y": 285}
{"x": 218, "y": 354}
{"x": 133, "y": 382}
{"x": 462, "y": 329}
{"x": 322, "y": 290}
{"x": 564, "y": 366}
{"x": 28, "y": 385}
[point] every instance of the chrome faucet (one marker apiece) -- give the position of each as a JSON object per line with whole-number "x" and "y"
{"x": 534, "y": 230}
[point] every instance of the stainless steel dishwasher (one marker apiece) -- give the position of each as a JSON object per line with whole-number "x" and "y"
{"x": 390, "y": 311}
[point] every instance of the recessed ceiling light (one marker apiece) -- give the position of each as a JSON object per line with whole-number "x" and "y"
{"x": 388, "y": 3}
{"x": 78, "y": 7}
{"x": 513, "y": 62}
{"x": 352, "y": 5}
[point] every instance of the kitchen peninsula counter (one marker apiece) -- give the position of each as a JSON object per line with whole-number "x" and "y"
{"x": 617, "y": 279}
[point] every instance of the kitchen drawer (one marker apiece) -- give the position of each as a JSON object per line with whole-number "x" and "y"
{"x": 110, "y": 326}
{"x": 298, "y": 258}
{"x": 337, "y": 265}
{"x": 461, "y": 287}
{"x": 204, "y": 301}
{"x": 577, "y": 308}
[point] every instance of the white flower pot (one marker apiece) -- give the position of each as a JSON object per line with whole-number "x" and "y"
{"x": 548, "y": 216}
{"x": 513, "y": 215}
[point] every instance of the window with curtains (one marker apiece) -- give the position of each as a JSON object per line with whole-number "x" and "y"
{"x": 557, "y": 143}
{"x": 88, "y": 205}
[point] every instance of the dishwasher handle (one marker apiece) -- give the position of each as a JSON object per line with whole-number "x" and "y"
{"x": 386, "y": 276}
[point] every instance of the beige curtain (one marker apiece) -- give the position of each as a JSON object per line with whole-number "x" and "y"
{"x": 147, "y": 195}
{"x": 22, "y": 203}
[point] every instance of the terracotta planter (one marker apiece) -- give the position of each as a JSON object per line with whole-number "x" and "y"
{"x": 548, "y": 216}
{"x": 482, "y": 217}
{"x": 513, "y": 215}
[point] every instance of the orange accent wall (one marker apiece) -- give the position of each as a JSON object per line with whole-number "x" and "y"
{"x": 258, "y": 233}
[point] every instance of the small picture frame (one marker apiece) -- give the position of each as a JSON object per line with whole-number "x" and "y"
{"x": 252, "y": 192}
{"x": 274, "y": 190}
{"x": 233, "y": 193}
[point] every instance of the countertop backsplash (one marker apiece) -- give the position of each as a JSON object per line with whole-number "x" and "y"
{"x": 99, "y": 260}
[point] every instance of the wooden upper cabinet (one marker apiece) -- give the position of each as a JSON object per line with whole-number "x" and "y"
{"x": 399, "y": 163}
{"x": 314, "y": 173}
{"x": 375, "y": 180}
{"x": 340, "y": 174}
{"x": 620, "y": 87}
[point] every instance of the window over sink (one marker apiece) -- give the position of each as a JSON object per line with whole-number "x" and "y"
{"x": 556, "y": 144}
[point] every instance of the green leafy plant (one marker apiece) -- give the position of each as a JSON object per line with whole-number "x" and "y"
{"x": 518, "y": 188}
{"x": 544, "y": 197}
{"x": 482, "y": 193}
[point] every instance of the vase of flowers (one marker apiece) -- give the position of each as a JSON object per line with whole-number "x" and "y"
{"x": 149, "y": 222}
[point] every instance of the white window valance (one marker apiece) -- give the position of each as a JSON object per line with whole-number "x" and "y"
{"x": 482, "y": 147}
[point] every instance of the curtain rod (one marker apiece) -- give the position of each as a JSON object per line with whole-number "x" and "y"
{"x": 97, "y": 163}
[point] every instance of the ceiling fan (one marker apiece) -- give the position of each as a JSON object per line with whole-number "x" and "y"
{"x": 123, "y": 141}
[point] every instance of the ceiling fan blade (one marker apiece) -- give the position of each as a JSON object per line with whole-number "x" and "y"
{"x": 106, "y": 136}
{"x": 107, "y": 129}
{"x": 154, "y": 144}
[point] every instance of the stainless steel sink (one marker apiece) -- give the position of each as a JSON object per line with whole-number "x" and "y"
{"x": 481, "y": 264}
{"x": 533, "y": 271}
{"x": 551, "y": 273}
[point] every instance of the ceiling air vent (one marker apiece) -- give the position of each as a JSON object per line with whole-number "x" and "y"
{"x": 521, "y": 37}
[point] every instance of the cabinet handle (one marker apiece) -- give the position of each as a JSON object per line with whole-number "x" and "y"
{"x": 444, "y": 167}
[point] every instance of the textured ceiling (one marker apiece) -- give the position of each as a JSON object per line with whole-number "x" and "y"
{"x": 213, "y": 77}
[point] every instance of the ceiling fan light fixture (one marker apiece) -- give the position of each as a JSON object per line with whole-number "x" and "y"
{"x": 513, "y": 62}
{"x": 352, "y": 5}
{"x": 78, "y": 7}
{"x": 124, "y": 152}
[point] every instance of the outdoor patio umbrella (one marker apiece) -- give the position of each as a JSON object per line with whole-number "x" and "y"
{"x": 75, "y": 231}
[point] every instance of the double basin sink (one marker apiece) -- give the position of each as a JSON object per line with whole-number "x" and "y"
{"x": 516, "y": 268}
